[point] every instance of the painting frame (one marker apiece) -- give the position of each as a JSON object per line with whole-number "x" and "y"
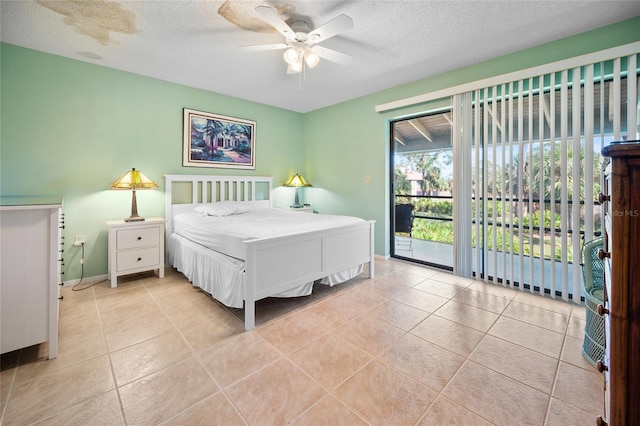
{"x": 214, "y": 140}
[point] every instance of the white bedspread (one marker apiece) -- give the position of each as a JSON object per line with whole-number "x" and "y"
{"x": 222, "y": 276}
{"x": 226, "y": 234}
{"x": 210, "y": 252}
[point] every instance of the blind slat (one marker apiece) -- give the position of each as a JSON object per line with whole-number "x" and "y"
{"x": 552, "y": 178}
{"x": 564, "y": 106}
{"x": 521, "y": 182}
{"x": 632, "y": 94}
{"x": 541, "y": 188}
{"x": 576, "y": 177}
{"x": 530, "y": 184}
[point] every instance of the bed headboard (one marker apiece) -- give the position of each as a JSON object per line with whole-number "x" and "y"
{"x": 185, "y": 190}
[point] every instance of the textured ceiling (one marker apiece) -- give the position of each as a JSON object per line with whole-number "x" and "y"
{"x": 195, "y": 43}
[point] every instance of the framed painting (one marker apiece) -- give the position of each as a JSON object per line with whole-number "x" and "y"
{"x": 212, "y": 140}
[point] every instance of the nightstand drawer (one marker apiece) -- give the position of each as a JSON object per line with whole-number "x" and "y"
{"x": 133, "y": 238}
{"x": 134, "y": 259}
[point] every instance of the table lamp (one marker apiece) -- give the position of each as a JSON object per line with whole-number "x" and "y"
{"x": 296, "y": 181}
{"x": 134, "y": 180}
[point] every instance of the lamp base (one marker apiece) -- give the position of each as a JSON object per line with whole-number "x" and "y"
{"x": 296, "y": 202}
{"x": 134, "y": 210}
{"x": 134, "y": 219}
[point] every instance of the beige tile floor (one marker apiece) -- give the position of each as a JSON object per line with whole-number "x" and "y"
{"x": 413, "y": 346}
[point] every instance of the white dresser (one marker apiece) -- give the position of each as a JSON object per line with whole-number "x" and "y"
{"x": 30, "y": 253}
{"x": 135, "y": 247}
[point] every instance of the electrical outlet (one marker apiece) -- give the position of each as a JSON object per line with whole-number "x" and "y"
{"x": 78, "y": 240}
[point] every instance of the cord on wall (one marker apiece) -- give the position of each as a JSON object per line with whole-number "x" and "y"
{"x": 75, "y": 286}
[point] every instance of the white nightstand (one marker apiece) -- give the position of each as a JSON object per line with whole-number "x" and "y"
{"x": 135, "y": 247}
{"x": 303, "y": 209}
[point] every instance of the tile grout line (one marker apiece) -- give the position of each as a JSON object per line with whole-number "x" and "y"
{"x": 373, "y": 357}
{"x": 196, "y": 355}
{"x": 113, "y": 374}
{"x": 468, "y": 359}
{"x": 557, "y": 372}
{"x": 486, "y": 333}
{"x": 11, "y": 386}
{"x": 369, "y": 362}
{"x": 329, "y": 332}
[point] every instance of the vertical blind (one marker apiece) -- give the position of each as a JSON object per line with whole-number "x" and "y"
{"x": 534, "y": 150}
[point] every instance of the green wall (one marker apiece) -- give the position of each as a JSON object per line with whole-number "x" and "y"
{"x": 71, "y": 128}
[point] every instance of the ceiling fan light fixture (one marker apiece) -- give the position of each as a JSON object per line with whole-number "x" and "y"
{"x": 291, "y": 56}
{"x": 311, "y": 58}
{"x": 295, "y": 68}
{"x": 300, "y": 42}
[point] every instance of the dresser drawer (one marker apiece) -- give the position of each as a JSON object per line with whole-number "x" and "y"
{"x": 140, "y": 258}
{"x": 134, "y": 238}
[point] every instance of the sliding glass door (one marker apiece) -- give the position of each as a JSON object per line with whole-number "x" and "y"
{"x": 504, "y": 185}
{"x": 421, "y": 199}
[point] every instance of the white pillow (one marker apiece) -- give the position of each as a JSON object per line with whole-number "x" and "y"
{"x": 226, "y": 208}
{"x": 216, "y": 209}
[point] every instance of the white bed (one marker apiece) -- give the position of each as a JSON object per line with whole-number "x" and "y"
{"x": 264, "y": 260}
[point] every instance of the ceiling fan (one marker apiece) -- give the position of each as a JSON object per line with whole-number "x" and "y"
{"x": 301, "y": 43}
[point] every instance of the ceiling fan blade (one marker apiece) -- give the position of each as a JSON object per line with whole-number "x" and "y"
{"x": 335, "y": 26}
{"x": 262, "y": 47}
{"x": 332, "y": 55}
{"x": 270, "y": 16}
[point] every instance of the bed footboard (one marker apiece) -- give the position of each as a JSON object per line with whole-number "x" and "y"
{"x": 278, "y": 264}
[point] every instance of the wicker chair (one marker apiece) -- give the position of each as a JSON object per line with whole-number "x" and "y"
{"x": 593, "y": 274}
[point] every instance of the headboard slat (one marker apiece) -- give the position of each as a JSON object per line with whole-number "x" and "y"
{"x": 204, "y": 191}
